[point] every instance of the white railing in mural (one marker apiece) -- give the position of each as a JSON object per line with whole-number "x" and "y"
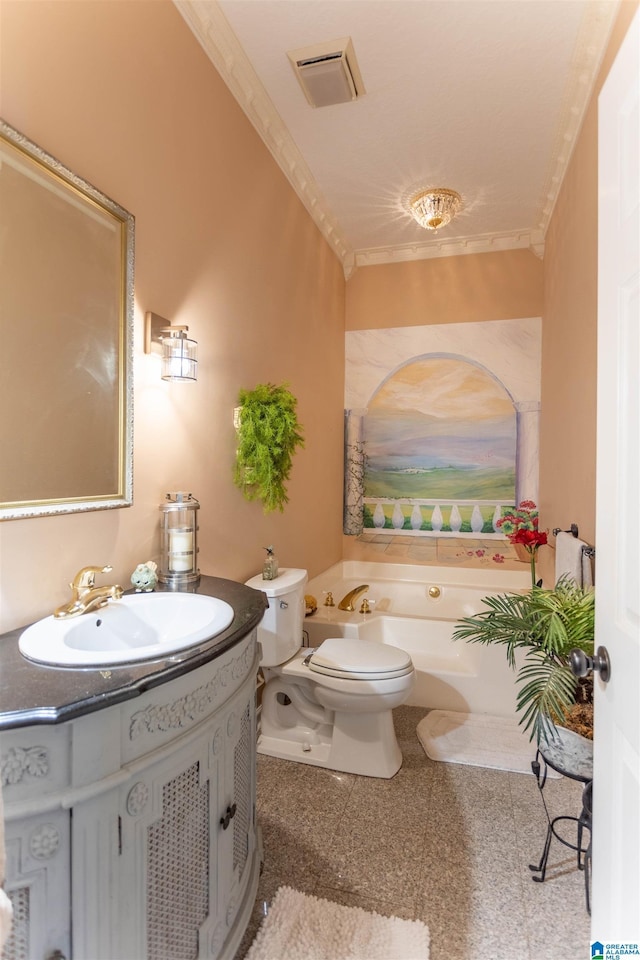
{"x": 430, "y": 517}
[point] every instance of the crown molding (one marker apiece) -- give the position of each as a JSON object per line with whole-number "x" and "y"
{"x": 585, "y": 64}
{"x": 211, "y": 28}
{"x": 487, "y": 243}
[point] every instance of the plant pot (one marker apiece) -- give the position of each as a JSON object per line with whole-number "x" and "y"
{"x": 521, "y": 552}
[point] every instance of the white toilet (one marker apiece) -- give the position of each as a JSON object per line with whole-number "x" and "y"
{"x": 331, "y": 706}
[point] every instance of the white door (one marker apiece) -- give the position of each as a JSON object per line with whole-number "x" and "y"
{"x": 616, "y": 815}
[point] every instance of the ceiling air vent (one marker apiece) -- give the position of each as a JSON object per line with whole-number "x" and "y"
{"x": 328, "y": 72}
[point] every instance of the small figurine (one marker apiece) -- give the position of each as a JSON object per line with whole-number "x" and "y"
{"x": 144, "y": 577}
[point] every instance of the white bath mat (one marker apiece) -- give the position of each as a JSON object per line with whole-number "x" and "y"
{"x": 301, "y": 927}
{"x": 478, "y": 740}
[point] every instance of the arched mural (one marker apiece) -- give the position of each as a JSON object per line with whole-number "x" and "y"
{"x": 441, "y": 426}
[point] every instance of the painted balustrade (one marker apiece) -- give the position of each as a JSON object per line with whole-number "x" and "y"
{"x": 430, "y": 517}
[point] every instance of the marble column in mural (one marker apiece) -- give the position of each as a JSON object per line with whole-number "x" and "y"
{"x": 527, "y": 449}
{"x": 353, "y": 472}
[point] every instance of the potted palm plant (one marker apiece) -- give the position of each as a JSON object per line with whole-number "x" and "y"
{"x": 546, "y": 625}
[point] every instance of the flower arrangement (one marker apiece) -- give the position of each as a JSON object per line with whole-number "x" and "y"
{"x": 520, "y": 527}
{"x": 524, "y": 517}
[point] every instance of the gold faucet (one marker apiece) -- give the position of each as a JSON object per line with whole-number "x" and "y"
{"x": 347, "y": 602}
{"x": 86, "y": 596}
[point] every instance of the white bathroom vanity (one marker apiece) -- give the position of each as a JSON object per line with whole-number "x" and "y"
{"x": 129, "y": 799}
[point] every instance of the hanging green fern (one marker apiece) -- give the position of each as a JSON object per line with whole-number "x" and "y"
{"x": 268, "y": 435}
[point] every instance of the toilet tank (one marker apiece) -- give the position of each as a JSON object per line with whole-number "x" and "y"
{"x": 280, "y": 631}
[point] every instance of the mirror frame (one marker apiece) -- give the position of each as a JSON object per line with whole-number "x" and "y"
{"x": 66, "y": 180}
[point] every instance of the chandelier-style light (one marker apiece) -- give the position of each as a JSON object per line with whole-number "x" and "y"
{"x": 436, "y": 207}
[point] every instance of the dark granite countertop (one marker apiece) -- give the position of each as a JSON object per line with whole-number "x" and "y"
{"x": 31, "y": 693}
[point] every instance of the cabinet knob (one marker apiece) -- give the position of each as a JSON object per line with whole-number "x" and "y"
{"x": 228, "y": 817}
{"x": 56, "y": 955}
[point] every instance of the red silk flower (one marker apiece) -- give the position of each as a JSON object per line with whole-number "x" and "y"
{"x": 529, "y": 538}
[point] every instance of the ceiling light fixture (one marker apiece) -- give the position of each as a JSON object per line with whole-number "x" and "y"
{"x": 436, "y": 207}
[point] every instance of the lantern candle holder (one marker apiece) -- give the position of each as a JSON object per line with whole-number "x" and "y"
{"x": 179, "y": 540}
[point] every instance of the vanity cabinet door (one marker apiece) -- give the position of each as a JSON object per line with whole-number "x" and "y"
{"x": 39, "y": 886}
{"x": 188, "y": 842}
{"x": 168, "y": 855}
{"x": 236, "y": 796}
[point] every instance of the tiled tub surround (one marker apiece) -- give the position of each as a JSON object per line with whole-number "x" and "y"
{"x": 468, "y": 678}
{"x": 445, "y": 843}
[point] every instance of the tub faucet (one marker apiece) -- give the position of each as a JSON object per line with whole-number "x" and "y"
{"x": 86, "y": 596}
{"x": 347, "y": 602}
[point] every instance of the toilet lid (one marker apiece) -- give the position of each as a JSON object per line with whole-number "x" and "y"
{"x": 360, "y": 660}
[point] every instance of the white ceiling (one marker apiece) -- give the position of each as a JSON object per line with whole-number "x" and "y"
{"x": 485, "y": 97}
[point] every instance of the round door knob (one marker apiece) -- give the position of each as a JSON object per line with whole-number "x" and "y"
{"x": 581, "y": 664}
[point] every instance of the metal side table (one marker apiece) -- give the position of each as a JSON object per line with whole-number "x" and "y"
{"x": 572, "y": 756}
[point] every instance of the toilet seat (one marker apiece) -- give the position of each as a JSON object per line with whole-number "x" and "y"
{"x": 351, "y": 659}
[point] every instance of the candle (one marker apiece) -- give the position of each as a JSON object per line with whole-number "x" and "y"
{"x": 180, "y": 549}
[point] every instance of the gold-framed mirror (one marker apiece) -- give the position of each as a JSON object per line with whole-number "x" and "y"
{"x": 66, "y": 338}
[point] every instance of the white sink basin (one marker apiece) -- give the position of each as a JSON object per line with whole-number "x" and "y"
{"x": 142, "y": 626}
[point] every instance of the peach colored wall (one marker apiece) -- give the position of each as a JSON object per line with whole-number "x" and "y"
{"x": 123, "y": 94}
{"x": 482, "y": 286}
{"x": 568, "y": 424}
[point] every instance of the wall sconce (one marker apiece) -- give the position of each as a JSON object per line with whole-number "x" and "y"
{"x": 179, "y": 354}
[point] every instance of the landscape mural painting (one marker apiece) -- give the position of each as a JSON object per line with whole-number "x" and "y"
{"x": 440, "y": 428}
{"x": 447, "y": 439}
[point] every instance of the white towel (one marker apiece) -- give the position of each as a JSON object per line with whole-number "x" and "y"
{"x": 571, "y": 559}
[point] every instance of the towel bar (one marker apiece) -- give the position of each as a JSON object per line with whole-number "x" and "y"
{"x": 573, "y": 529}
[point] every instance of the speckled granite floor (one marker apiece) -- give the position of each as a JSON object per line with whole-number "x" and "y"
{"x": 445, "y": 843}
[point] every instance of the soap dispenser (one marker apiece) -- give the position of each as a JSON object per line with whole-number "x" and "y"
{"x": 270, "y": 565}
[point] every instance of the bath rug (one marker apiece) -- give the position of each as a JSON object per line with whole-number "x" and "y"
{"x": 477, "y": 740}
{"x": 302, "y": 927}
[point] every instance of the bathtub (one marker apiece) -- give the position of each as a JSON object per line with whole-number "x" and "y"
{"x": 416, "y": 609}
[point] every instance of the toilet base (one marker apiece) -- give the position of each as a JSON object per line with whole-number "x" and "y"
{"x": 362, "y": 743}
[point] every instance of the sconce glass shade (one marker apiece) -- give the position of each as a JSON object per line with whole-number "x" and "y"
{"x": 179, "y": 357}
{"x": 179, "y": 354}
{"x": 435, "y": 207}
